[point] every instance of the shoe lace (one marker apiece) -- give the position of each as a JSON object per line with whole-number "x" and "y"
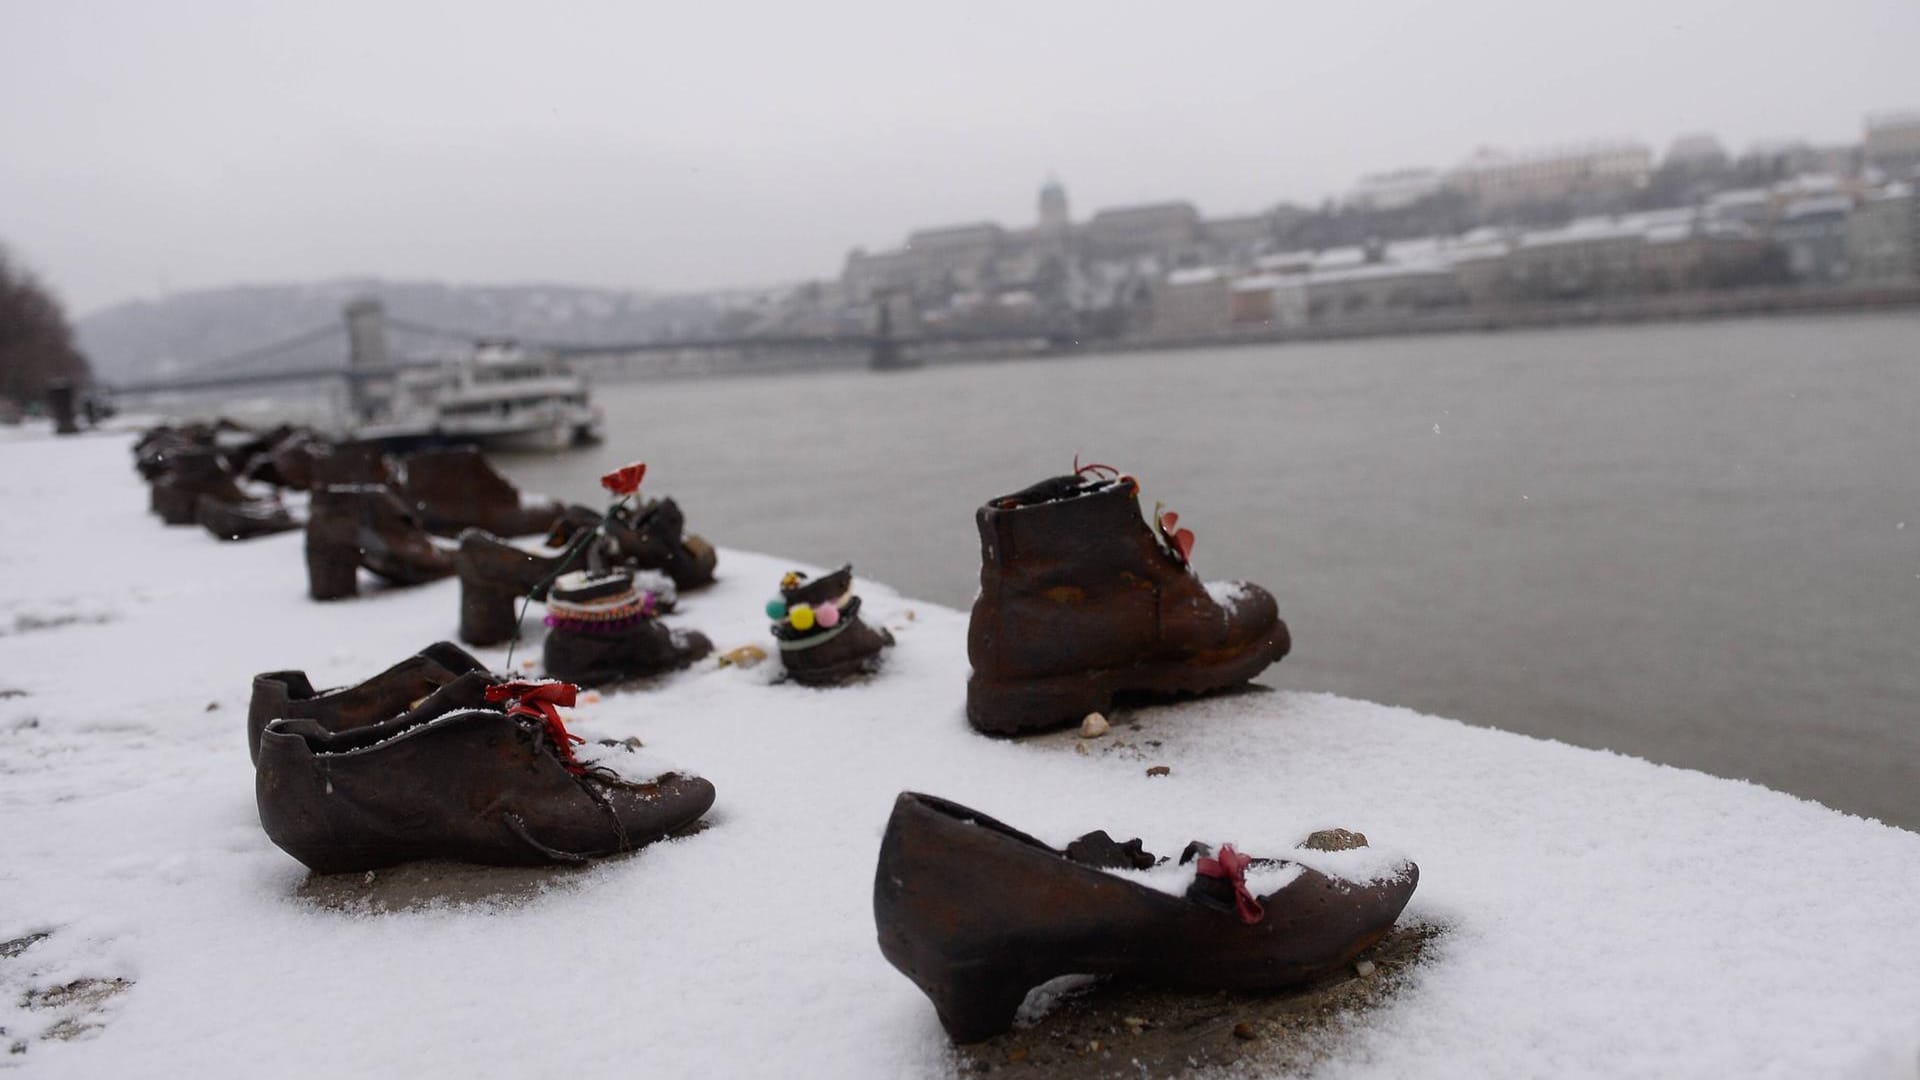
{"x": 538, "y": 701}
{"x": 1229, "y": 865}
{"x": 1105, "y": 472}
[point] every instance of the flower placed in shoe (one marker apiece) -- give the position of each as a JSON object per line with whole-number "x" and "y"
{"x": 625, "y": 480}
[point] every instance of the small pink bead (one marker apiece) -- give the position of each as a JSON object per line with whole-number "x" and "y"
{"x": 826, "y": 615}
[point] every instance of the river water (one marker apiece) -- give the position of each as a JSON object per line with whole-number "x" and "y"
{"x": 1697, "y": 543}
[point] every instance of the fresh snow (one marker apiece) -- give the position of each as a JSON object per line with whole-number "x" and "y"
{"x": 1604, "y": 916}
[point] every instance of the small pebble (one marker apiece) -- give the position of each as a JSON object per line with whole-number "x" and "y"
{"x": 1094, "y": 726}
{"x": 1159, "y": 770}
{"x": 1364, "y": 968}
{"x": 1079, "y": 748}
{"x": 1017, "y": 1054}
{"x": 213, "y": 706}
{"x": 1135, "y": 1022}
{"x": 1335, "y": 840}
{"x": 745, "y": 656}
{"x": 1244, "y": 1030}
{"x": 1093, "y": 1046}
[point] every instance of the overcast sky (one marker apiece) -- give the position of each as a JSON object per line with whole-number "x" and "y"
{"x": 148, "y": 147}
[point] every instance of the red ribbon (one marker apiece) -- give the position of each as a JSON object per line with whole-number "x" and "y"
{"x": 625, "y": 480}
{"x": 1181, "y": 539}
{"x": 1097, "y": 470}
{"x": 1232, "y": 866}
{"x": 537, "y": 700}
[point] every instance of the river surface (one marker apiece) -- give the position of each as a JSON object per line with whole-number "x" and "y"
{"x": 1697, "y": 543}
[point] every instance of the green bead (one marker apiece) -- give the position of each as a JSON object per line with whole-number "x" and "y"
{"x": 777, "y": 608}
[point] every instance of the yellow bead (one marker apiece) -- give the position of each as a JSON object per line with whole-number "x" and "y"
{"x": 801, "y": 616}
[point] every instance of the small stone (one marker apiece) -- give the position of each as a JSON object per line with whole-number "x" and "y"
{"x": 1335, "y": 840}
{"x": 213, "y": 706}
{"x": 1093, "y": 1046}
{"x": 1094, "y": 726}
{"x": 1017, "y": 1055}
{"x": 1135, "y": 1022}
{"x": 1159, "y": 770}
{"x": 1365, "y": 968}
{"x": 1244, "y": 1031}
{"x": 1079, "y": 748}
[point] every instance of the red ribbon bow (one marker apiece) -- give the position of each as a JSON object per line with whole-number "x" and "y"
{"x": 1180, "y": 539}
{"x": 625, "y": 480}
{"x": 1232, "y": 866}
{"x": 537, "y": 700}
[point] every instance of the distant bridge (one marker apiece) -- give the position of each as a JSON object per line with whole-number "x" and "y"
{"x": 367, "y": 358}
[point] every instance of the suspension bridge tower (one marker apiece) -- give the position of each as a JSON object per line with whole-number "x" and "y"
{"x": 366, "y": 348}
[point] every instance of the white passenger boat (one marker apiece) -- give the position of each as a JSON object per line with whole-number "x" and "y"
{"x": 499, "y": 397}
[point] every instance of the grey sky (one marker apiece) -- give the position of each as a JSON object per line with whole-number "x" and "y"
{"x": 150, "y": 146}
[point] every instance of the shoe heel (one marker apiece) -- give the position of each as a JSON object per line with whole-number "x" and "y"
{"x": 487, "y": 615}
{"x": 979, "y": 1003}
{"x": 1007, "y": 708}
{"x": 333, "y": 572}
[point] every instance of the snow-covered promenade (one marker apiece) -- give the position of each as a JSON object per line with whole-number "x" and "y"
{"x": 1603, "y": 916}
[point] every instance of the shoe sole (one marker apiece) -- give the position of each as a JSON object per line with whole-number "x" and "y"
{"x": 1030, "y": 705}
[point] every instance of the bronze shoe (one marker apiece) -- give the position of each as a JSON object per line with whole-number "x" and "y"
{"x": 243, "y": 520}
{"x": 186, "y": 473}
{"x": 495, "y": 575}
{"x": 603, "y": 628}
{"x": 977, "y": 914}
{"x": 834, "y": 644}
{"x": 465, "y": 776}
{"x": 1080, "y": 599}
{"x": 289, "y": 695}
{"x": 355, "y": 525}
{"x": 652, "y": 536}
{"x": 457, "y": 489}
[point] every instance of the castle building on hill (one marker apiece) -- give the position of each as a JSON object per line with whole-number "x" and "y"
{"x": 1055, "y": 271}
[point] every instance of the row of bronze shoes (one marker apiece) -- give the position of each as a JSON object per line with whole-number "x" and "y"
{"x": 606, "y": 578}
{"x": 1084, "y": 598}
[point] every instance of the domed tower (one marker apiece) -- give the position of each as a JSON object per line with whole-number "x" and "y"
{"x": 1054, "y": 219}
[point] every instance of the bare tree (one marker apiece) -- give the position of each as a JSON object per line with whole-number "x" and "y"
{"x": 36, "y": 343}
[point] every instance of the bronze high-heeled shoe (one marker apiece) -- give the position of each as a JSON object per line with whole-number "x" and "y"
{"x": 355, "y": 525}
{"x": 977, "y": 914}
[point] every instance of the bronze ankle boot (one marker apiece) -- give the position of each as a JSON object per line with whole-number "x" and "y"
{"x": 977, "y": 914}
{"x": 604, "y": 628}
{"x": 187, "y": 474}
{"x": 289, "y": 695}
{"x": 481, "y": 772}
{"x": 355, "y": 525}
{"x": 494, "y": 576}
{"x": 1080, "y": 600}
{"x": 817, "y": 626}
{"x": 453, "y": 490}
